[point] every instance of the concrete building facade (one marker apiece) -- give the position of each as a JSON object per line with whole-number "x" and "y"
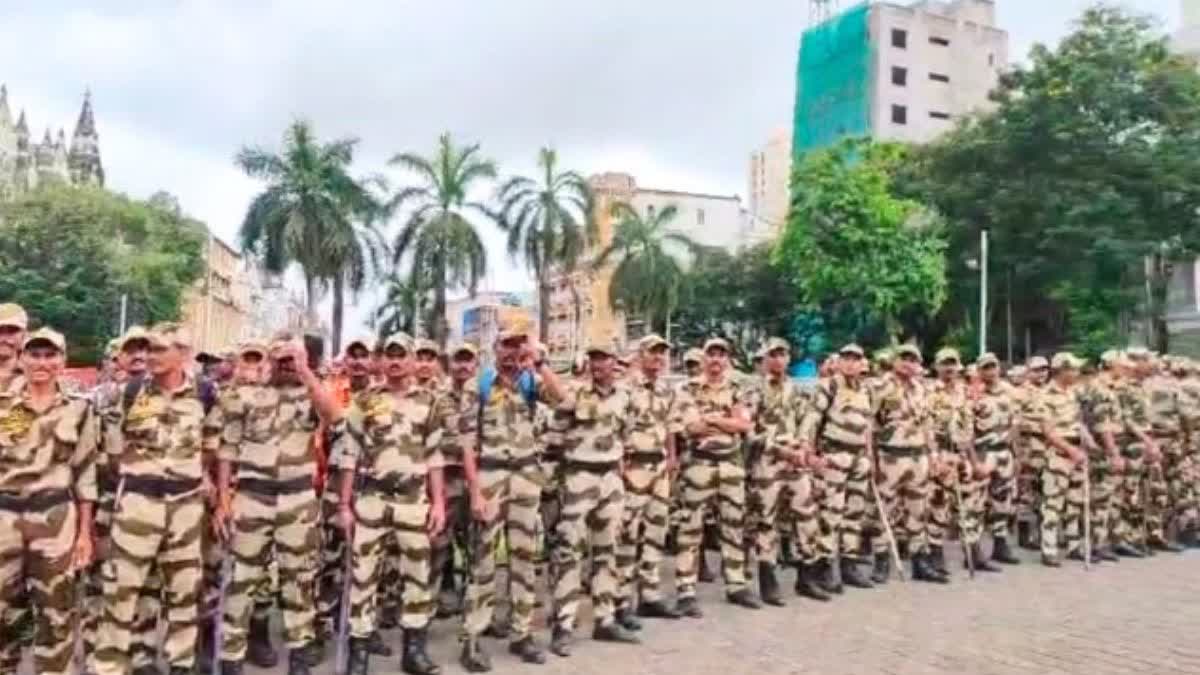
{"x": 767, "y": 187}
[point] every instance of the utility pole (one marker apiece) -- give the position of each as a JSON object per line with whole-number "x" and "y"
{"x": 983, "y": 292}
{"x": 124, "y": 312}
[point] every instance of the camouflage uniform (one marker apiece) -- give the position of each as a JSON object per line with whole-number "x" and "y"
{"x": 1062, "y": 481}
{"x": 647, "y": 496}
{"x": 993, "y": 414}
{"x": 47, "y": 465}
{"x": 712, "y": 476}
{"x": 1189, "y": 408}
{"x": 903, "y": 424}
{"x": 266, "y": 433}
{"x": 447, "y": 425}
{"x": 1030, "y": 448}
{"x": 952, "y": 430}
{"x": 386, "y": 440}
{"x": 158, "y": 518}
{"x": 1172, "y": 490}
{"x": 1102, "y": 417}
{"x": 1130, "y": 526}
{"x": 592, "y": 500}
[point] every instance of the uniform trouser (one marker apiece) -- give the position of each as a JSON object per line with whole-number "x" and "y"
{"x": 331, "y": 578}
{"x": 1029, "y": 476}
{"x": 149, "y": 531}
{"x": 1000, "y": 489}
{"x": 643, "y": 528}
{"x": 282, "y": 527}
{"x": 904, "y": 491}
{"x": 384, "y": 521}
{"x": 1062, "y": 504}
{"x": 780, "y": 492}
{"x": 1102, "y": 488}
{"x": 1130, "y": 507}
{"x": 93, "y": 581}
{"x": 845, "y": 481}
{"x": 517, "y": 496}
{"x": 718, "y": 484}
{"x": 1175, "y": 490}
{"x": 592, "y": 511}
{"x": 35, "y": 560}
{"x": 458, "y": 513}
{"x": 945, "y": 486}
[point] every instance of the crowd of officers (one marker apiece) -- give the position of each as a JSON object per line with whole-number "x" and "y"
{"x": 199, "y": 503}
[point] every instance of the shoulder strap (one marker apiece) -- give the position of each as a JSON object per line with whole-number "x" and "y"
{"x": 527, "y": 385}
{"x": 132, "y": 389}
{"x": 487, "y": 377}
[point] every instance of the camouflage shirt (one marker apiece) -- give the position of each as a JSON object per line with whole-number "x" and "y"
{"x": 160, "y": 436}
{"x": 601, "y": 421}
{"x": 1166, "y": 417}
{"x": 951, "y": 413}
{"x": 994, "y": 415}
{"x": 265, "y": 431}
{"x": 841, "y": 412}
{"x": 902, "y": 415}
{"x": 780, "y": 407}
{"x": 1102, "y": 406}
{"x": 1135, "y": 409}
{"x": 387, "y": 434}
{"x": 723, "y": 398}
{"x": 448, "y": 424}
{"x": 1030, "y": 412}
{"x": 1061, "y": 411}
{"x": 506, "y": 423}
{"x": 55, "y": 449}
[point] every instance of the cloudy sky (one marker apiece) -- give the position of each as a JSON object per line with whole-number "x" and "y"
{"x": 676, "y": 92}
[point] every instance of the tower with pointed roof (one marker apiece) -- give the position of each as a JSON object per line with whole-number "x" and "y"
{"x": 26, "y": 163}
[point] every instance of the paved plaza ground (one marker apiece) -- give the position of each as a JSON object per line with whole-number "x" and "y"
{"x": 1136, "y": 616}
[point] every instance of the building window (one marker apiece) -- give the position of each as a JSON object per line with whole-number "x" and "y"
{"x": 899, "y": 76}
{"x": 699, "y": 216}
{"x": 939, "y": 41}
{"x": 899, "y": 114}
{"x": 939, "y": 115}
{"x": 938, "y": 77}
{"x": 899, "y": 38}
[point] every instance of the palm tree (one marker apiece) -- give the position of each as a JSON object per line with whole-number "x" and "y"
{"x": 649, "y": 262}
{"x": 402, "y": 308}
{"x": 312, "y": 213}
{"x": 438, "y": 235}
{"x": 549, "y": 223}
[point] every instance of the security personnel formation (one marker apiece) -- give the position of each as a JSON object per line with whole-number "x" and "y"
{"x": 167, "y": 515}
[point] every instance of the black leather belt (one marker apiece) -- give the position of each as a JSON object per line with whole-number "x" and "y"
{"x": 275, "y": 488}
{"x": 159, "y": 488}
{"x": 393, "y": 485}
{"x": 40, "y": 500}
{"x": 590, "y": 467}
{"x": 896, "y": 451}
{"x": 501, "y": 464}
{"x": 646, "y": 457}
{"x": 709, "y": 456}
{"x": 830, "y": 445}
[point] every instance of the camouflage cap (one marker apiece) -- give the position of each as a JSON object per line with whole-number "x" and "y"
{"x": 852, "y": 349}
{"x": 46, "y": 336}
{"x": 133, "y": 334}
{"x": 514, "y": 327}
{"x": 651, "y": 341}
{"x": 402, "y": 340}
{"x": 1139, "y": 353}
{"x": 1017, "y": 371}
{"x": 1065, "y": 360}
{"x": 986, "y": 360}
{"x": 908, "y": 349}
{"x": 717, "y": 343}
{"x": 365, "y": 341}
{"x": 169, "y": 334}
{"x": 775, "y": 344}
{"x": 604, "y": 347}
{"x": 13, "y": 315}
{"x": 252, "y": 347}
{"x": 1037, "y": 362}
{"x": 464, "y": 348}
{"x": 947, "y": 354}
{"x": 426, "y": 345}
{"x": 1111, "y": 357}
{"x": 693, "y": 355}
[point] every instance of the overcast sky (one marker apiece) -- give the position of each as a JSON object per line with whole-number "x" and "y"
{"x": 676, "y": 92}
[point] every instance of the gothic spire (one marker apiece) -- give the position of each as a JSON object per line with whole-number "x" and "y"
{"x": 84, "y": 157}
{"x": 22, "y": 125}
{"x": 86, "y": 126}
{"x": 5, "y": 115}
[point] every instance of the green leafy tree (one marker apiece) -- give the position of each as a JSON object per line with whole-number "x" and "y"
{"x": 69, "y": 254}
{"x": 404, "y": 306}
{"x": 852, "y": 247}
{"x": 549, "y": 224}
{"x": 438, "y": 233}
{"x": 1088, "y": 167}
{"x": 312, "y": 213}
{"x": 648, "y": 261}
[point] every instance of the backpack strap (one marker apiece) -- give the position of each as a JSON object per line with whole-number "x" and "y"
{"x": 132, "y": 389}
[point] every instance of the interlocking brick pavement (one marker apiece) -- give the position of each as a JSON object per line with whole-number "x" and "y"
{"x": 1128, "y": 617}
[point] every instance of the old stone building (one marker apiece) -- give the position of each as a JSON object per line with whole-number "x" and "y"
{"x": 26, "y": 163}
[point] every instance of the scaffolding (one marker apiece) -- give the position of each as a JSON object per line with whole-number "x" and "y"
{"x": 833, "y": 80}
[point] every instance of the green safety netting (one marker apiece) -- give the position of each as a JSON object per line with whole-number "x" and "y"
{"x": 833, "y": 81}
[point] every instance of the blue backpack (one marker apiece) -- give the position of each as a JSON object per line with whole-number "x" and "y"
{"x": 526, "y": 384}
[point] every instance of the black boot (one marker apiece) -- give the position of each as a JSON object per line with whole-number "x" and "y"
{"x": 1106, "y": 554}
{"x": 1165, "y": 546}
{"x": 1051, "y": 561}
{"x": 227, "y": 668}
{"x": 882, "y": 569}
{"x": 828, "y": 579}
{"x": 627, "y": 620}
{"x": 389, "y": 617}
{"x": 360, "y": 656}
{"x": 807, "y": 584}
{"x": 415, "y": 660}
{"x": 982, "y": 564}
{"x": 657, "y": 609}
{"x": 1189, "y": 538}
{"x": 1025, "y": 538}
{"x": 527, "y": 650}
{"x": 705, "y": 575}
{"x": 689, "y": 607}
{"x": 768, "y": 585}
{"x": 205, "y": 648}
{"x": 743, "y": 598}
{"x": 1127, "y": 550}
{"x": 560, "y": 641}
{"x": 852, "y": 576}
{"x": 614, "y": 632}
{"x": 298, "y": 662}
{"x": 1001, "y": 553}
{"x": 922, "y": 570}
{"x": 377, "y": 646}
{"x": 473, "y": 658}
{"x": 259, "y": 651}
{"x": 937, "y": 560}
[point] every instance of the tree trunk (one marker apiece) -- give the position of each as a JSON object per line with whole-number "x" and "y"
{"x": 577, "y": 315}
{"x": 310, "y": 296}
{"x": 339, "y": 299}
{"x": 438, "y": 320}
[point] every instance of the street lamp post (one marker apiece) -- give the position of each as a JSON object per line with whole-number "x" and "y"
{"x": 983, "y": 290}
